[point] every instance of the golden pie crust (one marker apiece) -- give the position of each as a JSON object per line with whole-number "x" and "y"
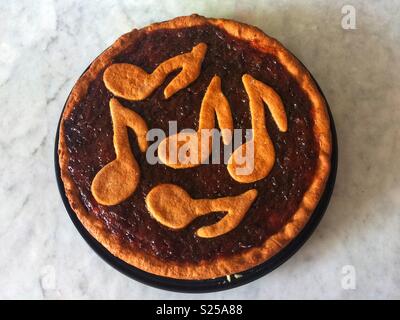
{"x": 220, "y": 266}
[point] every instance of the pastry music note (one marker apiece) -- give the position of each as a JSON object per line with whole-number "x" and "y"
{"x": 133, "y": 83}
{"x": 197, "y": 145}
{"x": 172, "y": 206}
{"x": 118, "y": 179}
{"x": 263, "y": 153}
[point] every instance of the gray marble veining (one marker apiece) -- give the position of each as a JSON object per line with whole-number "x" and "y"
{"x": 44, "y": 47}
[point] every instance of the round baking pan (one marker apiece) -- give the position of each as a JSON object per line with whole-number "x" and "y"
{"x": 217, "y": 284}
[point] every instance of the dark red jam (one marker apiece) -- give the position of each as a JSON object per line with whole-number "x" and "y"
{"x": 89, "y": 137}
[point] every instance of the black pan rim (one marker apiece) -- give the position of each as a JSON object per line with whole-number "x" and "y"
{"x": 221, "y": 283}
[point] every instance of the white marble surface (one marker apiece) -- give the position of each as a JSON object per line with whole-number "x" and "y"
{"x": 44, "y": 47}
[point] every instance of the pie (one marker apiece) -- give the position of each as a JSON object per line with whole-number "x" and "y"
{"x": 193, "y": 218}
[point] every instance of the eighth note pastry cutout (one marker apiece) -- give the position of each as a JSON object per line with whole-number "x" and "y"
{"x": 118, "y": 179}
{"x": 197, "y": 147}
{"x": 263, "y": 149}
{"x": 133, "y": 83}
{"x": 173, "y": 207}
